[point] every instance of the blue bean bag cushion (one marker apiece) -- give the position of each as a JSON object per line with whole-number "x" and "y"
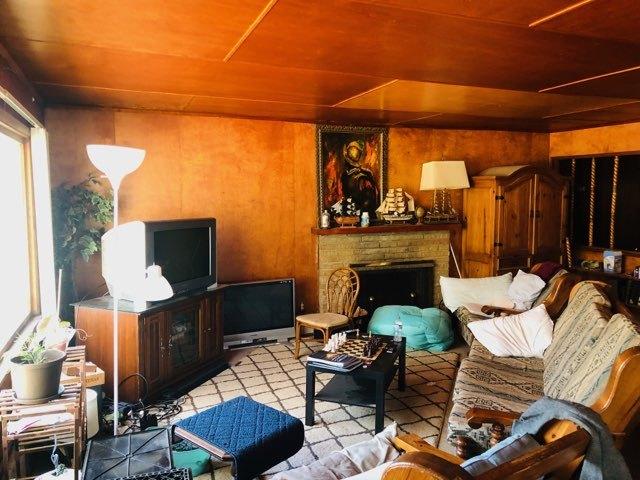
{"x": 425, "y": 328}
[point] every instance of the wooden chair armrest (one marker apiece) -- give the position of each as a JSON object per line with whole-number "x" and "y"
{"x": 413, "y": 443}
{"x": 424, "y": 466}
{"x": 542, "y": 460}
{"x": 476, "y": 417}
{"x": 493, "y": 310}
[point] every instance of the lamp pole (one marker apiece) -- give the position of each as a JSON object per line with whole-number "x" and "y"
{"x": 116, "y": 300}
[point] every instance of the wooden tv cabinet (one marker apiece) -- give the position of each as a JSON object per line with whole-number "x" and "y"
{"x": 174, "y": 344}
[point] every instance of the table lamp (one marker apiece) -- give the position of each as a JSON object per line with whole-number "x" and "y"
{"x": 441, "y": 177}
{"x": 116, "y": 162}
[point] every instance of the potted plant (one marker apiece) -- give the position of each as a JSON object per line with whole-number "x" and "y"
{"x": 81, "y": 213}
{"x": 35, "y": 371}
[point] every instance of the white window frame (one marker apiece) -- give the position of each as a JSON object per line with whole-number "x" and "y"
{"x": 38, "y": 190}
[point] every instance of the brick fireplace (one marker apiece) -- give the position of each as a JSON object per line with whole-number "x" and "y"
{"x": 344, "y": 247}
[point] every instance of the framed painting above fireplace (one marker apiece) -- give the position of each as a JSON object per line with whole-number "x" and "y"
{"x": 352, "y": 163}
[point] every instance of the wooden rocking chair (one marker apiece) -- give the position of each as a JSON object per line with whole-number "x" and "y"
{"x": 562, "y": 443}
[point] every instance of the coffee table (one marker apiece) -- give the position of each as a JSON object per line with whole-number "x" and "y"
{"x": 363, "y": 386}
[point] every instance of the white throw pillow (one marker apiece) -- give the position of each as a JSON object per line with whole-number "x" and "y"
{"x": 361, "y": 457}
{"x": 526, "y": 334}
{"x": 373, "y": 474}
{"x": 524, "y": 289}
{"x": 485, "y": 291}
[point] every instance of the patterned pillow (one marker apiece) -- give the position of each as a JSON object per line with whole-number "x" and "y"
{"x": 571, "y": 345}
{"x": 590, "y": 378}
{"x": 550, "y": 284}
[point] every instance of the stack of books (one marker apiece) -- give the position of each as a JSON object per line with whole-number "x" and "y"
{"x": 340, "y": 362}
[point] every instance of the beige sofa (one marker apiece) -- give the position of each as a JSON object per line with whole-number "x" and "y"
{"x": 587, "y": 338}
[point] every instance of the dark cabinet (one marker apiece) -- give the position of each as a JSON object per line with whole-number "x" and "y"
{"x": 153, "y": 357}
{"x": 174, "y": 344}
{"x": 185, "y": 328}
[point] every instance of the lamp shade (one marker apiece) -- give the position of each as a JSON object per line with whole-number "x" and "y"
{"x": 155, "y": 287}
{"x": 115, "y": 161}
{"x": 446, "y": 174}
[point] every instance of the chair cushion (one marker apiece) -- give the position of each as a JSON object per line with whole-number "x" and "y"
{"x": 571, "y": 345}
{"x": 323, "y": 320}
{"x": 492, "y": 386}
{"x": 479, "y": 353}
{"x": 508, "y": 449}
{"x": 590, "y": 378}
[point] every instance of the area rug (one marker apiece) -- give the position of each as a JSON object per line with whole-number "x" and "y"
{"x": 271, "y": 375}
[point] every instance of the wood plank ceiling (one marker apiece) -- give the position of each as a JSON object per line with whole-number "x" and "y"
{"x": 543, "y": 65}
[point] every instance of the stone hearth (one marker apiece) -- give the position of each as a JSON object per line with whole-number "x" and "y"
{"x": 336, "y": 251}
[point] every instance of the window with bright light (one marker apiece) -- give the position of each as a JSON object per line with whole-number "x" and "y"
{"x": 15, "y": 252}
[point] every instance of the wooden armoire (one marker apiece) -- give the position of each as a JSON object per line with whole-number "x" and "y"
{"x": 515, "y": 216}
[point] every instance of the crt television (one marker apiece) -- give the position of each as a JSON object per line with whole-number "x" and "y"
{"x": 258, "y": 312}
{"x": 185, "y": 249}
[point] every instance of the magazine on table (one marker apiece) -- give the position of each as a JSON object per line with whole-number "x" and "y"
{"x": 336, "y": 361}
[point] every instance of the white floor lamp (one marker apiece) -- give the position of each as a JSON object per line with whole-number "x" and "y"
{"x": 117, "y": 162}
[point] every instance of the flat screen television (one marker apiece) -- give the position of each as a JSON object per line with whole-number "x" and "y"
{"x": 258, "y": 312}
{"x": 185, "y": 249}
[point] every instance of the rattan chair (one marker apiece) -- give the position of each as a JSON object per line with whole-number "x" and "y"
{"x": 342, "y": 290}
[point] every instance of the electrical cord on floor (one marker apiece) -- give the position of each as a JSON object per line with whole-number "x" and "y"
{"x": 139, "y": 416}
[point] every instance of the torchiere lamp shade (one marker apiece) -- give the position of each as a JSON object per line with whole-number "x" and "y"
{"x": 115, "y": 161}
{"x": 446, "y": 174}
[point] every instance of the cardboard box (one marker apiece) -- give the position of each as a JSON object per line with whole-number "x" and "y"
{"x": 612, "y": 261}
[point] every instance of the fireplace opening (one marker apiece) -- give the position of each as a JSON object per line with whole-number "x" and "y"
{"x": 395, "y": 283}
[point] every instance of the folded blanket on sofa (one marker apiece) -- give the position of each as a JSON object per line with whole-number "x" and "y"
{"x": 603, "y": 461}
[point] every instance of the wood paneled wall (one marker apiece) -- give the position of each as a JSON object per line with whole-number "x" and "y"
{"x": 258, "y": 178}
{"x": 611, "y": 139}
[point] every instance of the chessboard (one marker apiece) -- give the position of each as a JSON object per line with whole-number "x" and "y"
{"x": 356, "y": 346}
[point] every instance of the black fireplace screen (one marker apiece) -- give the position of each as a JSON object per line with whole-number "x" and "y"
{"x": 395, "y": 283}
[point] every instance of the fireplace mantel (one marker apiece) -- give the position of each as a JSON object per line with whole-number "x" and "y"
{"x": 430, "y": 227}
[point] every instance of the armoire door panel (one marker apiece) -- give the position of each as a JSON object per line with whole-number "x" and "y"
{"x": 479, "y": 237}
{"x": 514, "y": 204}
{"x": 550, "y": 208}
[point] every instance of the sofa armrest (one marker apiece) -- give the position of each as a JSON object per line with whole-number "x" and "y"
{"x": 478, "y": 416}
{"x": 493, "y": 310}
{"x": 559, "y": 295}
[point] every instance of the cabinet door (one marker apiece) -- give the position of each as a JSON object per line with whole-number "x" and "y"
{"x": 185, "y": 327}
{"x": 213, "y": 333}
{"x": 515, "y": 222}
{"x": 549, "y": 213}
{"x": 153, "y": 351}
{"x": 478, "y": 234}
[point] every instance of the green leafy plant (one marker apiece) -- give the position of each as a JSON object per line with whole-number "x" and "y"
{"x": 80, "y": 215}
{"x": 32, "y": 351}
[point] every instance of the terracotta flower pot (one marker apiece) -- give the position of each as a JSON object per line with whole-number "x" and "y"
{"x": 37, "y": 382}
